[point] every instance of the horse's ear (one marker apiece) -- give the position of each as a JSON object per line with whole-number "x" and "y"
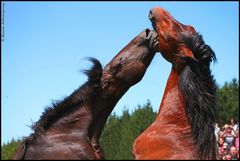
{"x": 185, "y": 55}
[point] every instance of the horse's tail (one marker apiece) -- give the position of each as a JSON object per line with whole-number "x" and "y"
{"x": 95, "y": 73}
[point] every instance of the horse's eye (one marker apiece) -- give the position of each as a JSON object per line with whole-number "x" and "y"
{"x": 121, "y": 60}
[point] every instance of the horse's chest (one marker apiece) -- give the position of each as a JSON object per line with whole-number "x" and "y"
{"x": 157, "y": 142}
{"x": 147, "y": 143}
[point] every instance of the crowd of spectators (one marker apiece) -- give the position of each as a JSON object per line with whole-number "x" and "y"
{"x": 228, "y": 140}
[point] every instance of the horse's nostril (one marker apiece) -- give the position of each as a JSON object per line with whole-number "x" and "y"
{"x": 150, "y": 15}
{"x": 147, "y": 32}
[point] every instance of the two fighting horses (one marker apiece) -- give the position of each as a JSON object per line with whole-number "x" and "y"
{"x": 184, "y": 127}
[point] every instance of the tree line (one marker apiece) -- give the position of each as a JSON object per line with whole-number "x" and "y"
{"x": 120, "y": 131}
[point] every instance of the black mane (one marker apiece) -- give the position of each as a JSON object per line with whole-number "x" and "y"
{"x": 199, "y": 90}
{"x": 82, "y": 95}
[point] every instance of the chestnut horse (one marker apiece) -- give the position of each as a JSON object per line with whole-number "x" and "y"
{"x": 184, "y": 127}
{"x": 71, "y": 129}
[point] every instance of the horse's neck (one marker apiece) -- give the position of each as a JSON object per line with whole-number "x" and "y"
{"x": 106, "y": 102}
{"x": 78, "y": 120}
{"x": 172, "y": 106}
{"x": 169, "y": 136}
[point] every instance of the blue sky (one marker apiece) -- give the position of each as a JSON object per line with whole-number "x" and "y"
{"x": 45, "y": 43}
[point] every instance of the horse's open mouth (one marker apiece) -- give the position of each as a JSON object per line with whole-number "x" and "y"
{"x": 151, "y": 35}
{"x": 156, "y": 40}
{"x": 155, "y": 43}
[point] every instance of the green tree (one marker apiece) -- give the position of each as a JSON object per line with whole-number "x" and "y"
{"x": 228, "y": 101}
{"x": 120, "y": 132}
{"x": 8, "y": 150}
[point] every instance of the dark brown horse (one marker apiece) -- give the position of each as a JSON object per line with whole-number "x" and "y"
{"x": 184, "y": 127}
{"x": 71, "y": 128}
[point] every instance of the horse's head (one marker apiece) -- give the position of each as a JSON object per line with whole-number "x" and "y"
{"x": 170, "y": 33}
{"x": 129, "y": 65}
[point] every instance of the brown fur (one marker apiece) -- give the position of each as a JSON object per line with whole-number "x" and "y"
{"x": 71, "y": 129}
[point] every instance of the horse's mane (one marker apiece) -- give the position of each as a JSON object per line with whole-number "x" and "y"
{"x": 199, "y": 88}
{"x": 81, "y": 96}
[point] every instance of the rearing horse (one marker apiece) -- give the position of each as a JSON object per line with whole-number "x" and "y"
{"x": 71, "y": 128}
{"x": 184, "y": 127}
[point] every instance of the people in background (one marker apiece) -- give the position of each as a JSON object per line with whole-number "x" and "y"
{"x": 237, "y": 139}
{"x": 233, "y": 153}
{"x": 228, "y": 140}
